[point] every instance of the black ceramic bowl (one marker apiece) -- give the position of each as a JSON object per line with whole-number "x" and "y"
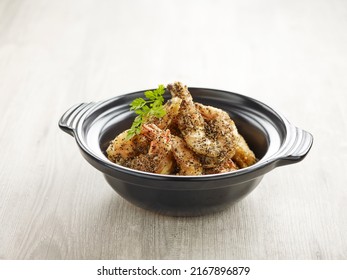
{"x": 273, "y": 139}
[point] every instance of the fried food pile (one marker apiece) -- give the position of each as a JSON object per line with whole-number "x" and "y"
{"x": 190, "y": 139}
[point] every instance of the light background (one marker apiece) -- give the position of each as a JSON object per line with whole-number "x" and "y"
{"x": 292, "y": 55}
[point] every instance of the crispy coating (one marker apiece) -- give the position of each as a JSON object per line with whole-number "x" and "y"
{"x": 159, "y": 158}
{"x": 214, "y": 140}
{"x": 191, "y": 139}
{"x": 187, "y": 161}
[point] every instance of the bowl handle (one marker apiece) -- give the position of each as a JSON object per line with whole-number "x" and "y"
{"x": 300, "y": 143}
{"x": 69, "y": 119}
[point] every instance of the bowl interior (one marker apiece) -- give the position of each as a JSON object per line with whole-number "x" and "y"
{"x": 248, "y": 119}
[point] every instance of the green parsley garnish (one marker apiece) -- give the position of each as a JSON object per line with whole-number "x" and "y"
{"x": 153, "y": 106}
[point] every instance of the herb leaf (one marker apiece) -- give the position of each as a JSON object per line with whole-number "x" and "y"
{"x": 144, "y": 108}
{"x": 137, "y": 104}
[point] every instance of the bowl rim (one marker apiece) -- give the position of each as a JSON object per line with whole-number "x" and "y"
{"x": 261, "y": 167}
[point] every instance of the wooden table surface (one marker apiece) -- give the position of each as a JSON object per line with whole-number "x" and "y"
{"x": 291, "y": 55}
